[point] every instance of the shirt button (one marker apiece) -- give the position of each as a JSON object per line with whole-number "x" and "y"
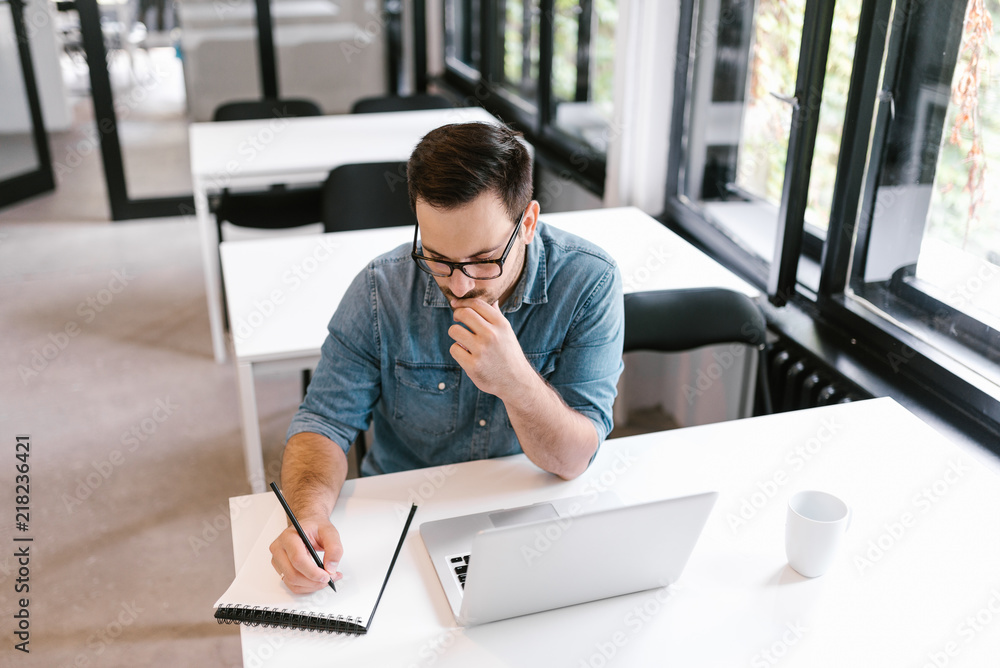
{"x": 441, "y": 386}
{"x": 482, "y": 423}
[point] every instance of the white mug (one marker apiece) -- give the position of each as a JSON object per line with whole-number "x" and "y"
{"x": 816, "y": 524}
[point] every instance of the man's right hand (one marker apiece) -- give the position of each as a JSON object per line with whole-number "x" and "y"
{"x": 293, "y": 562}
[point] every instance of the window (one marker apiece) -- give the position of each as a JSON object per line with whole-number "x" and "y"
{"x": 546, "y": 66}
{"x": 929, "y": 254}
{"x": 519, "y": 49}
{"x": 462, "y": 38}
{"x": 739, "y": 112}
{"x": 841, "y": 157}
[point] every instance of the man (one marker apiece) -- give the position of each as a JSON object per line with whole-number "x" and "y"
{"x": 491, "y": 335}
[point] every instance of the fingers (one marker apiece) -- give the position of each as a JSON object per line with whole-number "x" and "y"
{"x": 329, "y": 542}
{"x": 488, "y": 312}
{"x": 462, "y": 337}
{"x": 461, "y": 355}
{"x": 295, "y": 565}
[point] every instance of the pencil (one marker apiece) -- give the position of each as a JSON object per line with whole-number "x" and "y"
{"x": 298, "y": 528}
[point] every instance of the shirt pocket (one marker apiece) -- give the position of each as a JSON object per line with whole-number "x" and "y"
{"x": 427, "y": 396}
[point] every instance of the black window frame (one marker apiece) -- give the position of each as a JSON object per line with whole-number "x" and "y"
{"x": 485, "y": 87}
{"x": 896, "y": 352}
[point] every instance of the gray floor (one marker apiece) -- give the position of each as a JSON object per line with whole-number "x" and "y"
{"x": 107, "y": 365}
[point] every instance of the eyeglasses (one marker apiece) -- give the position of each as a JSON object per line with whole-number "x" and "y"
{"x": 480, "y": 270}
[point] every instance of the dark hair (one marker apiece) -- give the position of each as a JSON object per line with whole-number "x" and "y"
{"x": 455, "y": 164}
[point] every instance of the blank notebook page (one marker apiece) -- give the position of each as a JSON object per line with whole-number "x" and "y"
{"x": 369, "y": 531}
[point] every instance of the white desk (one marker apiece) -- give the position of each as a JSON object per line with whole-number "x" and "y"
{"x": 282, "y": 292}
{"x": 261, "y": 153}
{"x": 916, "y": 579}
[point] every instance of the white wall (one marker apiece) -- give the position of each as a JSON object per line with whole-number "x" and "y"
{"x": 45, "y": 49}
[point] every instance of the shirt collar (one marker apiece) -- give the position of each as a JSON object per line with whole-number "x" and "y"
{"x": 532, "y": 288}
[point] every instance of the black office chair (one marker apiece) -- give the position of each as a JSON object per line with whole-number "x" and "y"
{"x": 366, "y": 195}
{"x": 278, "y": 207}
{"x": 248, "y": 110}
{"x": 681, "y": 320}
{"x": 382, "y": 103}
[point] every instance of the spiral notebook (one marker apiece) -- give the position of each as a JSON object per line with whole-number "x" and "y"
{"x": 370, "y": 533}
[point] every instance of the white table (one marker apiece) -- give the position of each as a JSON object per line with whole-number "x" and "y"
{"x": 262, "y": 153}
{"x": 916, "y": 580}
{"x": 282, "y": 292}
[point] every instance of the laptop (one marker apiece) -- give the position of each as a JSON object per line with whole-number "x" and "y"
{"x": 506, "y": 563}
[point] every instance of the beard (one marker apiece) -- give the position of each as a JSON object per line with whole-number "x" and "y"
{"x": 476, "y": 293}
{"x": 492, "y": 294}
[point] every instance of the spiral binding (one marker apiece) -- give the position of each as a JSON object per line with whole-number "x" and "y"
{"x": 255, "y": 615}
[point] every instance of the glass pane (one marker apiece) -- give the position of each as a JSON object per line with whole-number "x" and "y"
{"x": 348, "y": 38}
{"x": 744, "y": 67}
{"x": 583, "y": 70}
{"x": 763, "y": 138}
{"x": 461, "y": 32}
{"x": 568, "y": 22}
{"x": 931, "y": 261}
{"x": 961, "y": 247}
{"x": 836, "y": 85}
{"x": 743, "y": 57}
{"x": 17, "y": 142}
{"x": 147, "y": 82}
{"x": 520, "y": 20}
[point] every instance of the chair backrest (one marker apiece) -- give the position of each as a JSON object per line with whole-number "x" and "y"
{"x": 366, "y": 195}
{"x": 678, "y": 320}
{"x": 277, "y": 208}
{"x": 373, "y": 105}
{"x": 246, "y": 110}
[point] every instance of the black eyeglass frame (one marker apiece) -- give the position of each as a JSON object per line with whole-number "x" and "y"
{"x": 462, "y": 265}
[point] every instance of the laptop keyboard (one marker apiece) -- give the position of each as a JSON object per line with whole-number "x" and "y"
{"x": 459, "y": 564}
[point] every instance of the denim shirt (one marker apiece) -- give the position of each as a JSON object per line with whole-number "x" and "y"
{"x": 387, "y": 361}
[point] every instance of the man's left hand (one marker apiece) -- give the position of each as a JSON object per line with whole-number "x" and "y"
{"x": 486, "y": 347}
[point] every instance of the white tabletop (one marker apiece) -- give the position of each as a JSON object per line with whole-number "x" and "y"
{"x": 916, "y": 579}
{"x": 254, "y": 152}
{"x": 281, "y": 292}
